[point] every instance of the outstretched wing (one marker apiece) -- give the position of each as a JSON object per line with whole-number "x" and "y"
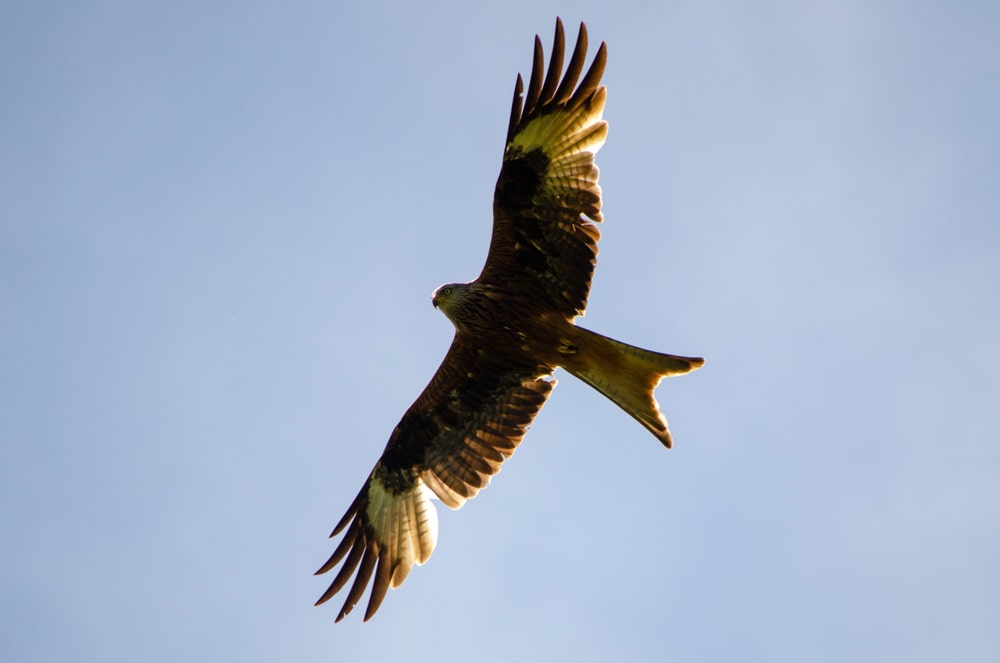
{"x": 450, "y": 442}
{"x": 543, "y": 248}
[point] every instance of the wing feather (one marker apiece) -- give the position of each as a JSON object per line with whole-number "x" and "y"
{"x": 547, "y": 199}
{"x": 591, "y": 82}
{"x": 380, "y": 586}
{"x": 535, "y": 82}
{"x": 575, "y": 64}
{"x": 361, "y": 580}
{"x": 347, "y": 543}
{"x": 449, "y": 444}
{"x": 515, "y": 107}
{"x": 555, "y": 63}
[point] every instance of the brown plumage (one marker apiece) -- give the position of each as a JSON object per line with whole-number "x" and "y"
{"x": 513, "y": 327}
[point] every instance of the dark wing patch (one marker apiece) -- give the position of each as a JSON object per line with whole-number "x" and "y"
{"x": 449, "y": 443}
{"x": 462, "y": 461}
{"x": 543, "y": 248}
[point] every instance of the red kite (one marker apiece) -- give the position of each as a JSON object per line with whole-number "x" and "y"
{"x": 513, "y": 327}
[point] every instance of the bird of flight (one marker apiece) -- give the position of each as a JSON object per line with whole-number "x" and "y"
{"x": 513, "y": 327}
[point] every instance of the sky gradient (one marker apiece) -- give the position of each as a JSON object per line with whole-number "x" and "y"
{"x": 220, "y": 230}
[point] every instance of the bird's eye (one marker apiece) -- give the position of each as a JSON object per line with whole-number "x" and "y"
{"x": 446, "y": 291}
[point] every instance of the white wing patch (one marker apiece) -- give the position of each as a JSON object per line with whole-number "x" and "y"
{"x": 405, "y": 524}
{"x": 563, "y": 133}
{"x": 570, "y": 139}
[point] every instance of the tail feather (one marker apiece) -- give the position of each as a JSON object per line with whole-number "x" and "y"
{"x": 625, "y": 374}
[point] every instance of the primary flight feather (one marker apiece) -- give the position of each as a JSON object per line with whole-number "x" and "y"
{"x": 514, "y": 325}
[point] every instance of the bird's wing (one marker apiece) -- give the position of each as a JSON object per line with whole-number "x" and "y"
{"x": 448, "y": 444}
{"x": 544, "y": 243}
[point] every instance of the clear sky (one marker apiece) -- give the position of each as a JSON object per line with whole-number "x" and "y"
{"x": 221, "y": 225}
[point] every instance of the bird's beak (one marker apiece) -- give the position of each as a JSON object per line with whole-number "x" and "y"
{"x": 434, "y": 300}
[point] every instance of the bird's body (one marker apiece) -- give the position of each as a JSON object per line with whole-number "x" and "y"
{"x": 548, "y": 340}
{"x": 514, "y": 325}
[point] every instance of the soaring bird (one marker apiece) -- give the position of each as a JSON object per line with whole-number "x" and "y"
{"x": 514, "y": 325}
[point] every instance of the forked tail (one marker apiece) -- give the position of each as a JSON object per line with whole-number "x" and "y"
{"x": 625, "y": 374}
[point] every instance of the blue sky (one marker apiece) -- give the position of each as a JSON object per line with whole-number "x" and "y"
{"x": 220, "y": 230}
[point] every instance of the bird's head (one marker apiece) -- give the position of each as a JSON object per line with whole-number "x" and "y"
{"x": 448, "y": 298}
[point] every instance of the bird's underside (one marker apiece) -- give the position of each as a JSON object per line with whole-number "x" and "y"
{"x": 513, "y": 326}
